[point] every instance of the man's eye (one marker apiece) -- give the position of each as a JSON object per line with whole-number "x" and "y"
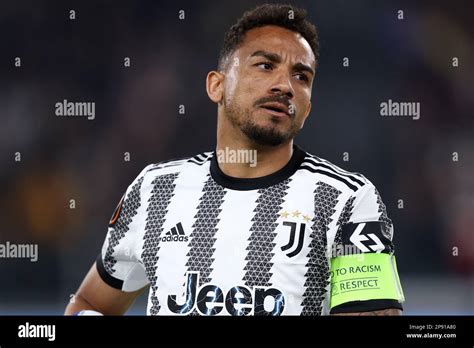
{"x": 302, "y": 77}
{"x": 265, "y": 66}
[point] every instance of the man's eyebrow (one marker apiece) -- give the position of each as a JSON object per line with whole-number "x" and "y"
{"x": 275, "y": 58}
{"x": 303, "y": 67}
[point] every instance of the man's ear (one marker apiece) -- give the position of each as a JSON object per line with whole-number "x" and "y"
{"x": 215, "y": 86}
{"x": 308, "y": 110}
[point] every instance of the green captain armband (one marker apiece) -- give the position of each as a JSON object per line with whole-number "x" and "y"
{"x": 362, "y": 277}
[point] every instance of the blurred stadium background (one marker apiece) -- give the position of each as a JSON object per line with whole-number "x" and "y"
{"x": 137, "y": 112}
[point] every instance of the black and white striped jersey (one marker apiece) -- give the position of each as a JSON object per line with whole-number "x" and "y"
{"x": 210, "y": 244}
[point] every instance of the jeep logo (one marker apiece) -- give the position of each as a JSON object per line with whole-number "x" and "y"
{"x": 209, "y": 299}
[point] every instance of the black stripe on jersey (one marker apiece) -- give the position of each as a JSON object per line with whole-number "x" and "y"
{"x": 344, "y": 218}
{"x": 317, "y": 163}
{"x": 262, "y": 237}
{"x": 163, "y": 190}
{"x": 387, "y": 228}
{"x": 202, "y": 239}
{"x": 338, "y": 169}
{"x": 199, "y": 159}
{"x": 198, "y": 163}
{"x": 129, "y": 209}
{"x": 192, "y": 160}
{"x": 334, "y": 176}
{"x": 171, "y": 165}
{"x": 161, "y": 165}
{"x": 168, "y": 161}
{"x": 317, "y": 275}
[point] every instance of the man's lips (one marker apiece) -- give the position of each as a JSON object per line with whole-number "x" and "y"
{"x": 276, "y": 108}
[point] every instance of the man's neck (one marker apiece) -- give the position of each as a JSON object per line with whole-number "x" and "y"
{"x": 244, "y": 160}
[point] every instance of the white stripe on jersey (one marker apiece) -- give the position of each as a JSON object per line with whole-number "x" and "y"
{"x": 231, "y": 244}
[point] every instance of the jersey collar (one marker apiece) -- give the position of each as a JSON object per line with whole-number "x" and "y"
{"x": 243, "y": 184}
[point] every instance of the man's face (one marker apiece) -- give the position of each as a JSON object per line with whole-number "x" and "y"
{"x": 267, "y": 87}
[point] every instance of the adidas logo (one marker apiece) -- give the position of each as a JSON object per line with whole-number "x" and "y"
{"x": 176, "y": 234}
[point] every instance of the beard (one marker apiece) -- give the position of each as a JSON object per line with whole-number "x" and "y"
{"x": 268, "y": 135}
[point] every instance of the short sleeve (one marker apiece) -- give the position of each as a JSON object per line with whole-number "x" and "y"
{"x": 119, "y": 263}
{"x": 364, "y": 274}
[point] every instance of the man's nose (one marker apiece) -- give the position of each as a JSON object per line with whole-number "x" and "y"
{"x": 282, "y": 85}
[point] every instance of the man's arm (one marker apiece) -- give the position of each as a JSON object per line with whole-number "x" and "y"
{"x": 95, "y": 294}
{"x": 364, "y": 276}
{"x": 382, "y": 312}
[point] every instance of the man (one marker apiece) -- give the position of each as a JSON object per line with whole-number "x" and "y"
{"x": 287, "y": 234}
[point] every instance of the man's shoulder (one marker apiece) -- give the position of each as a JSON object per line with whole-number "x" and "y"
{"x": 352, "y": 180}
{"x": 177, "y": 164}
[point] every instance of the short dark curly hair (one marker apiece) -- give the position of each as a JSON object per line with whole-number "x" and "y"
{"x": 282, "y": 15}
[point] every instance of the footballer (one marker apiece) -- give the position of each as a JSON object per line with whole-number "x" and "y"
{"x": 288, "y": 234}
